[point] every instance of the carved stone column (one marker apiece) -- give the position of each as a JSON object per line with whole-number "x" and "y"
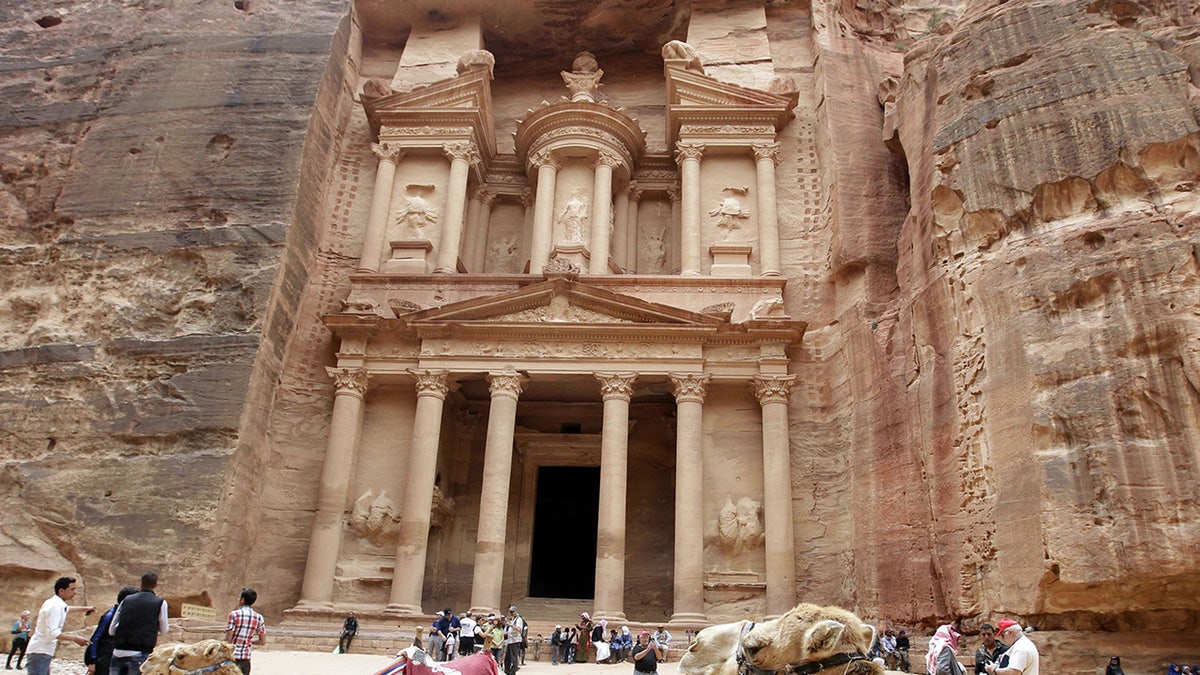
{"x": 493, "y": 500}
{"x": 409, "y": 573}
{"x": 345, "y": 429}
{"x": 462, "y": 157}
{"x": 483, "y": 220}
{"x": 690, "y": 389}
{"x": 766, "y": 157}
{"x": 632, "y": 235}
{"x": 615, "y": 389}
{"x": 621, "y": 228}
{"x": 543, "y": 214}
{"x": 676, "y": 197}
{"x": 688, "y": 157}
{"x": 472, "y": 237}
{"x": 772, "y": 392}
{"x": 602, "y": 211}
{"x": 527, "y": 203}
{"x": 381, "y": 204}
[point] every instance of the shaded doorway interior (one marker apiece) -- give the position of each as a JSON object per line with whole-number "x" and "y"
{"x": 563, "y": 553}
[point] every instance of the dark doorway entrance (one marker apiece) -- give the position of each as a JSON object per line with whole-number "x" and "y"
{"x": 563, "y": 555}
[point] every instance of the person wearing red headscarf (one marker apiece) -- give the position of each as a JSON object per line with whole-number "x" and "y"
{"x": 942, "y": 657}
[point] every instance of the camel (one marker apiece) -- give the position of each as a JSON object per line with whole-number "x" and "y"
{"x": 210, "y": 657}
{"x": 805, "y": 640}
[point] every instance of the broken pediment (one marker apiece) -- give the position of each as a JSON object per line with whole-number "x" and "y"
{"x": 439, "y": 111}
{"x": 713, "y": 106}
{"x": 559, "y": 301}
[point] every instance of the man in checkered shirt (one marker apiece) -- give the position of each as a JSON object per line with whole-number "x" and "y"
{"x": 245, "y": 627}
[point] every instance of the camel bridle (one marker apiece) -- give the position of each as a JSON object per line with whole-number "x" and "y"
{"x": 744, "y": 667}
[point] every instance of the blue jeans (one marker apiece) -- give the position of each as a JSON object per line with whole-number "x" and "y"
{"x": 38, "y": 664}
{"x": 127, "y": 665}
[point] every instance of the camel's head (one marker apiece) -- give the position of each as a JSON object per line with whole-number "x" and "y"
{"x": 712, "y": 652}
{"x": 809, "y": 633}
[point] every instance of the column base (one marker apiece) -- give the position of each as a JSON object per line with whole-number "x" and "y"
{"x": 313, "y": 605}
{"x": 403, "y": 610}
{"x": 688, "y": 619}
{"x": 484, "y": 611}
{"x": 610, "y": 616}
{"x": 772, "y": 273}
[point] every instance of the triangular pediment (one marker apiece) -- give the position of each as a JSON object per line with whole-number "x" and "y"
{"x": 561, "y": 302}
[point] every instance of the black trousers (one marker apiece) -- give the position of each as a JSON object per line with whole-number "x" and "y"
{"x": 18, "y": 644}
{"x": 344, "y": 642}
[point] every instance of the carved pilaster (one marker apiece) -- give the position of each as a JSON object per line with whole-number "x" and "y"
{"x": 767, "y": 150}
{"x": 487, "y": 197}
{"x": 635, "y": 192}
{"x": 527, "y": 197}
{"x": 616, "y": 385}
{"x": 675, "y": 195}
{"x": 349, "y": 380}
{"x": 690, "y": 386}
{"x": 388, "y": 152}
{"x": 507, "y": 384}
{"x": 688, "y": 150}
{"x": 432, "y": 383}
{"x": 772, "y": 388}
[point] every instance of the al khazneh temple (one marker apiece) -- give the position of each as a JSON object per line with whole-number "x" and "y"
{"x": 668, "y": 311}
{"x": 504, "y": 285}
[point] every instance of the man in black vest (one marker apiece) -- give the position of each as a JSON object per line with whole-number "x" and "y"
{"x": 136, "y": 626}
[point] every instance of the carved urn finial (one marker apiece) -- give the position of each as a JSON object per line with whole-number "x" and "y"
{"x": 584, "y": 79}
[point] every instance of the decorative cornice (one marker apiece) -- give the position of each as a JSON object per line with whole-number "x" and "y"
{"x": 772, "y": 388}
{"x": 387, "y": 152}
{"x": 688, "y": 150}
{"x": 617, "y": 386}
{"x": 690, "y": 387}
{"x": 506, "y": 384}
{"x": 351, "y": 381}
{"x": 432, "y": 383}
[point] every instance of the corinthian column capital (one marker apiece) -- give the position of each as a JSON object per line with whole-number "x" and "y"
{"x": 506, "y": 384}
{"x": 772, "y": 388}
{"x": 544, "y": 157}
{"x": 349, "y": 380}
{"x": 766, "y": 150}
{"x": 432, "y": 383}
{"x": 616, "y": 385}
{"x": 463, "y": 150}
{"x": 609, "y": 159}
{"x": 688, "y": 150}
{"x": 387, "y": 152}
{"x": 675, "y": 195}
{"x": 690, "y": 386}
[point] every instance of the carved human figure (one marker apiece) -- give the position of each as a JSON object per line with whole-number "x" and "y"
{"x": 740, "y": 526}
{"x": 655, "y": 245}
{"x": 730, "y": 213}
{"x": 572, "y": 221}
{"x": 374, "y": 517}
{"x": 416, "y": 213}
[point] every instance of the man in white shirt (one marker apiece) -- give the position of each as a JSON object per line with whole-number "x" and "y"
{"x": 1021, "y": 657}
{"x": 49, "y": 629}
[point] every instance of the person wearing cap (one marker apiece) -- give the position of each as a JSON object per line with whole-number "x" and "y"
{"x": 1021, "y": 657}
{"x": 989, "y": 650}
{"x": 453, "y": 634}
{"x": 942, "y": 655}
{"x": 646, "y": 655}
{"x": 1114, "y": 666}
{"x": 437, "y": 636}
{"x": 513, "y": 639}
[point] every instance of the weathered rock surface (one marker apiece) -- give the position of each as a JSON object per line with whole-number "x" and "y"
{"x": 990, "y": 229}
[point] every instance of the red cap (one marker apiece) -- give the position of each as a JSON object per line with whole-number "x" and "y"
{"x": 1005, "y": 624}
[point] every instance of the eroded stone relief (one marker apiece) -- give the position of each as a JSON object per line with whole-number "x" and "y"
{"x": 740, "y": 526}
{"x": 730, "y": 213}
{"x": 415, "y": 213}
